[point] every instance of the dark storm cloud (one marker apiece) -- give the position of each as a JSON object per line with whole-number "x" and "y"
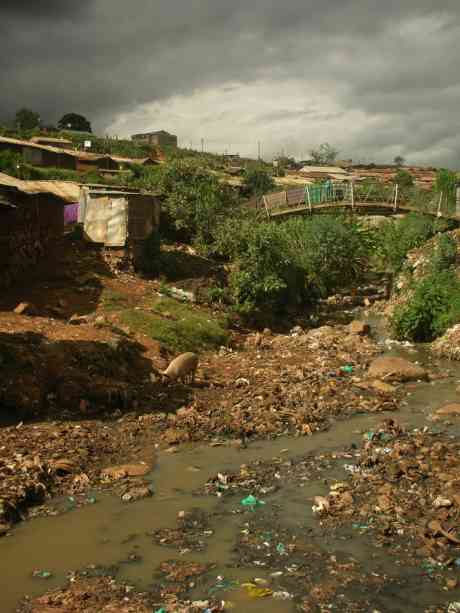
{"x": 395, "y": 60}
{"x": 46, "y": 8}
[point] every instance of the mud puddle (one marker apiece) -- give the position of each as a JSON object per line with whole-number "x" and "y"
{"x": 118, "y": 536}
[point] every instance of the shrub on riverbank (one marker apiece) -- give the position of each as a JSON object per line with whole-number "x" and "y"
{"x": 431, "y": 297}
{"x": 395, "y": 238}
{"x": 195, "y": 201}
{"x": 433, "y": 307}
{"x": 278, "y": 266}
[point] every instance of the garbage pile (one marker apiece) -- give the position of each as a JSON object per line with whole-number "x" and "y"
{"x": 405, "y": 492}
{"x": 297, "y": 568}
{"x": 191, "y": 534}
{"x": 94, "y": 594}
{"x": 282, "y": 384}
{"x": 448, "y": 345}
{"x": 264, "y": 477}
{"x": 38, "y": 461}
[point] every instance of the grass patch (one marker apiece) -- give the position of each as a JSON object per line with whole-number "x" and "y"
{"x": 113, "y": 301}
{"x": 186, "y": 329}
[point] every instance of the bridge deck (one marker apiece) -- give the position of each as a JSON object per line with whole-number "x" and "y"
{"x": 363, "y": 208}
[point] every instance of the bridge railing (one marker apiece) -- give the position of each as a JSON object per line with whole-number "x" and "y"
{"x": 307, "y": 196}
{"x": 353, "y": 194}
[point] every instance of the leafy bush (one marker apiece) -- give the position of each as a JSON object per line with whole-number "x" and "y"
{"x": 257, "y": 181}
{"x": 433, "y": 307}
{"x": 403, "y": 178}
{"x": 276, "y": 266}
{"x": 395, "y": 238}
{"x": 195, "y": 201}
{"x": 445, "y": 253}
{"x": 9, "y": 163}
{"x": 266, "y": 275}
{"x": 60, "y": 174}
{"x": 233, "y": 234}
{"x": 331, "y": 250}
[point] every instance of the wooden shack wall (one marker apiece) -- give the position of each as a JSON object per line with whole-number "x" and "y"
{"x": 26, "y": 232}
{"x": 143, "y": 216}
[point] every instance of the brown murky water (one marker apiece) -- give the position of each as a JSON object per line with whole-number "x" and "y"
{"x": 108, "y": 532}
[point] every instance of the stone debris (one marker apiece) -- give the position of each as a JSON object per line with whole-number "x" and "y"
{"x": 405, "y": 491}
{"x": 449, "y": 410}
{"x": 396, "y": 369}
{"x": 359, "y": 327}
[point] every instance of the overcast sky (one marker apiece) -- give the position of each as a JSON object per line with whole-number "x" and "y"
{"x": 375, "y": 78}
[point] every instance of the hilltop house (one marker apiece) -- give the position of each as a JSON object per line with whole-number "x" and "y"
{"x": 156, "y": 139}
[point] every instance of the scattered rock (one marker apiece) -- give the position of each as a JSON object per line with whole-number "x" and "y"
{"x": 137, "y": 493}
{"x": 440, "y": 502}
{"x": 451, "y": 409}
{"x": 77, "y": 320}
{"x": 396, "y": 369}
{"x": 383, "y": 387}
{"x": 63, "y": 466}
{"x": 359, "y": 327}
{"x": 25, "y": 308}
{"x": 125, "y": 470}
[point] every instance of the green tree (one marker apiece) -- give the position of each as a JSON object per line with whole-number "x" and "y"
{"x": 195, "y": 201}
{"x": 404, "y": 179}
{"x": 74, "y": 121}
{"x": 399, "y": 161}
{"x": 26, "y": 119}
{"x": 257, "y": 182}
{"x": 324, "y": 154}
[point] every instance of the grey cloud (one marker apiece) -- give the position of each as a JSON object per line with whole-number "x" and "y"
{"x": 105, "y": 57}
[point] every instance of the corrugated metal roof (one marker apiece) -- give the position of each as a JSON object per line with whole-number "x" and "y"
{"x": 83, "y": 155}
{"x": 123, "y": 160}
{"x": 28, "y": 143}
{"x": 38, "y": 140}
{"x": 80, "y": 155}
{"x": 65, "y": 190}
{"x": 324, "y": 169}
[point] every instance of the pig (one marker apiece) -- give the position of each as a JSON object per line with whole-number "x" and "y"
{"x": 182, "y": 368}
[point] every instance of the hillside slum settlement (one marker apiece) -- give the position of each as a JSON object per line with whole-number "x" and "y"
{"x": 33, "y": 214}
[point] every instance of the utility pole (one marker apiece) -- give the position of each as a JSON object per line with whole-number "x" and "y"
{"x": 202, "y": 145}
{"x": 258, "y": 149}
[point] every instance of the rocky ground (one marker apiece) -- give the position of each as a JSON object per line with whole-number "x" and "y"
{"x": 83, "y": 408}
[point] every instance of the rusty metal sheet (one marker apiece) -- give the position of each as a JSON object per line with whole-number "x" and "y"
{"x": 83, "y": 202}
{"x": 117, "y": 227}
{"x": 95, "y": 223}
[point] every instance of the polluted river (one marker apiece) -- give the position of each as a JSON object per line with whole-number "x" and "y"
{"x": 248, "y": 552}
